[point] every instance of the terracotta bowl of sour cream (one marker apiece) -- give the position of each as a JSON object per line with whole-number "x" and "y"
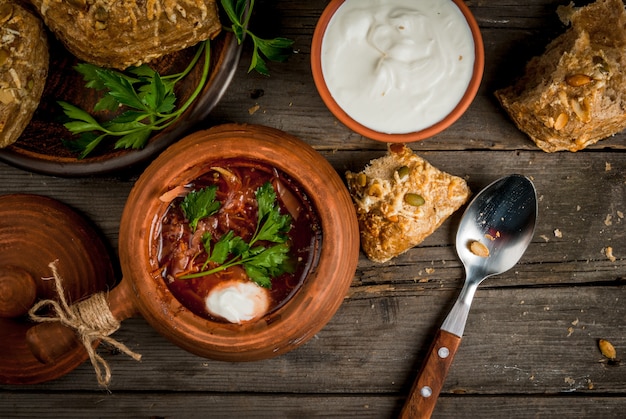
{"x": 237, "y": 243}
{"x": 397, "y": 70}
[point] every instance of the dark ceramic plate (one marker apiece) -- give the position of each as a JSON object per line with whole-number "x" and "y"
{"x": 40, "y": 148}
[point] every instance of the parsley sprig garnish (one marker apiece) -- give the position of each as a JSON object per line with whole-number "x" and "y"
{"x": 200, "y": 204}
{"x": 148, "y": 98}
{"x": 264, "y": 256}
{"x": 277, "y": 49}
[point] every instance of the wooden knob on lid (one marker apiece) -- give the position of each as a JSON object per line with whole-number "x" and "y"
{"x": 18, "y": 291}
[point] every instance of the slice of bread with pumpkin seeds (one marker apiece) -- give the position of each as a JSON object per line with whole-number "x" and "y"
{"x": 400, "y": 200}
{"x": 574, "y": 94}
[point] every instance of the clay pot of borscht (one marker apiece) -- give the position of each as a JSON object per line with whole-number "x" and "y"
{"x": 323, "y": 242}
{"x": 237, "y": 243}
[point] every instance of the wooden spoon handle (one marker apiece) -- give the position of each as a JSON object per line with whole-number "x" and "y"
{"x": 50, "y": 341}
{"x": 426, "y": 388}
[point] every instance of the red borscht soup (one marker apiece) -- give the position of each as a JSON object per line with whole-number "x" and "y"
{"x": 237, "y": 242}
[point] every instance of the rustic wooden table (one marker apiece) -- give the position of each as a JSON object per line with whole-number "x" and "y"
{"x": 531, "y": 343}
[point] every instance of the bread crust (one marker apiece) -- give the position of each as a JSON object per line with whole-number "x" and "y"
{"x": 390, "y": 224}
{"x": 23, "y": 68}
{"x": 574, "y": 94}
{"x": 123, "y": 33}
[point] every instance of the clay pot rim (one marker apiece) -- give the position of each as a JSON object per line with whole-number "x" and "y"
{"x": 299, "y": 318}
{"x": 343, "y": 117}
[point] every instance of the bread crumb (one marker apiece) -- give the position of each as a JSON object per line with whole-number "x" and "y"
{"x": 545, "y": 238}
{"x": 620, "y": 214}
{"x": 607, "y": 167}
{"x": 608, "y": 252}
{"x": 557, "y": 233}
{"x": 608, "y": 220}
{"x": 430, "y": 271}
{"x": 253, "y": 109}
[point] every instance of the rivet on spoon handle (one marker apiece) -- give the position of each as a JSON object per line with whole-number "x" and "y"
{"x": 425, "y": 391}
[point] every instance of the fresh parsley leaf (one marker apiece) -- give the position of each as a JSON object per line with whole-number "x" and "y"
{"x": 120, "y": 88}
{"x": 258, "y": 276}
{"x": 261, "y": 262}
{"x": 79, "y": 115}
{"x": 277, "y": 49}
{"x": 235, "y": 11}
{"x": 206, "y": 243}
{"x": 222, "y": 248}
{"x": 137, "y": 139}
{"x": 238, "y": 247}
{"x": 85, "y": 144}
{"x": 271, "y": 225}
{"x": 154, "y": 95}
{"x": 106, "y": 103}
{"x": 200, "y": 204}
{"x": 142, "y": 71}
{"x": 269, "y": 263}
{"x": 89, "y": 73}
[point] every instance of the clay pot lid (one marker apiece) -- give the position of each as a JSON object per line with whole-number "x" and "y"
{"x": 40, "y": 148}
{"x": 35, "y": 231}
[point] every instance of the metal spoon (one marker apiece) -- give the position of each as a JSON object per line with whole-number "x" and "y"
{"x": 502, "y": 218}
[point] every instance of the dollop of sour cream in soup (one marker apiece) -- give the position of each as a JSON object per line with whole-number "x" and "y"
{"x": 397, "y": 66}
{"x": 238, "y": 301}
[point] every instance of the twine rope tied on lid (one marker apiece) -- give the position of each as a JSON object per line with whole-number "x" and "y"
{"x": 91, "y": 319}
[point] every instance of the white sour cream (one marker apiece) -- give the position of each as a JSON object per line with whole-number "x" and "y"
{"x": 238, "y": 301}
{"x": 397, "y": 66}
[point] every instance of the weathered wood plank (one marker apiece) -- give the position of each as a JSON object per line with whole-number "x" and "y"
{"x": 219, "y": 405}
